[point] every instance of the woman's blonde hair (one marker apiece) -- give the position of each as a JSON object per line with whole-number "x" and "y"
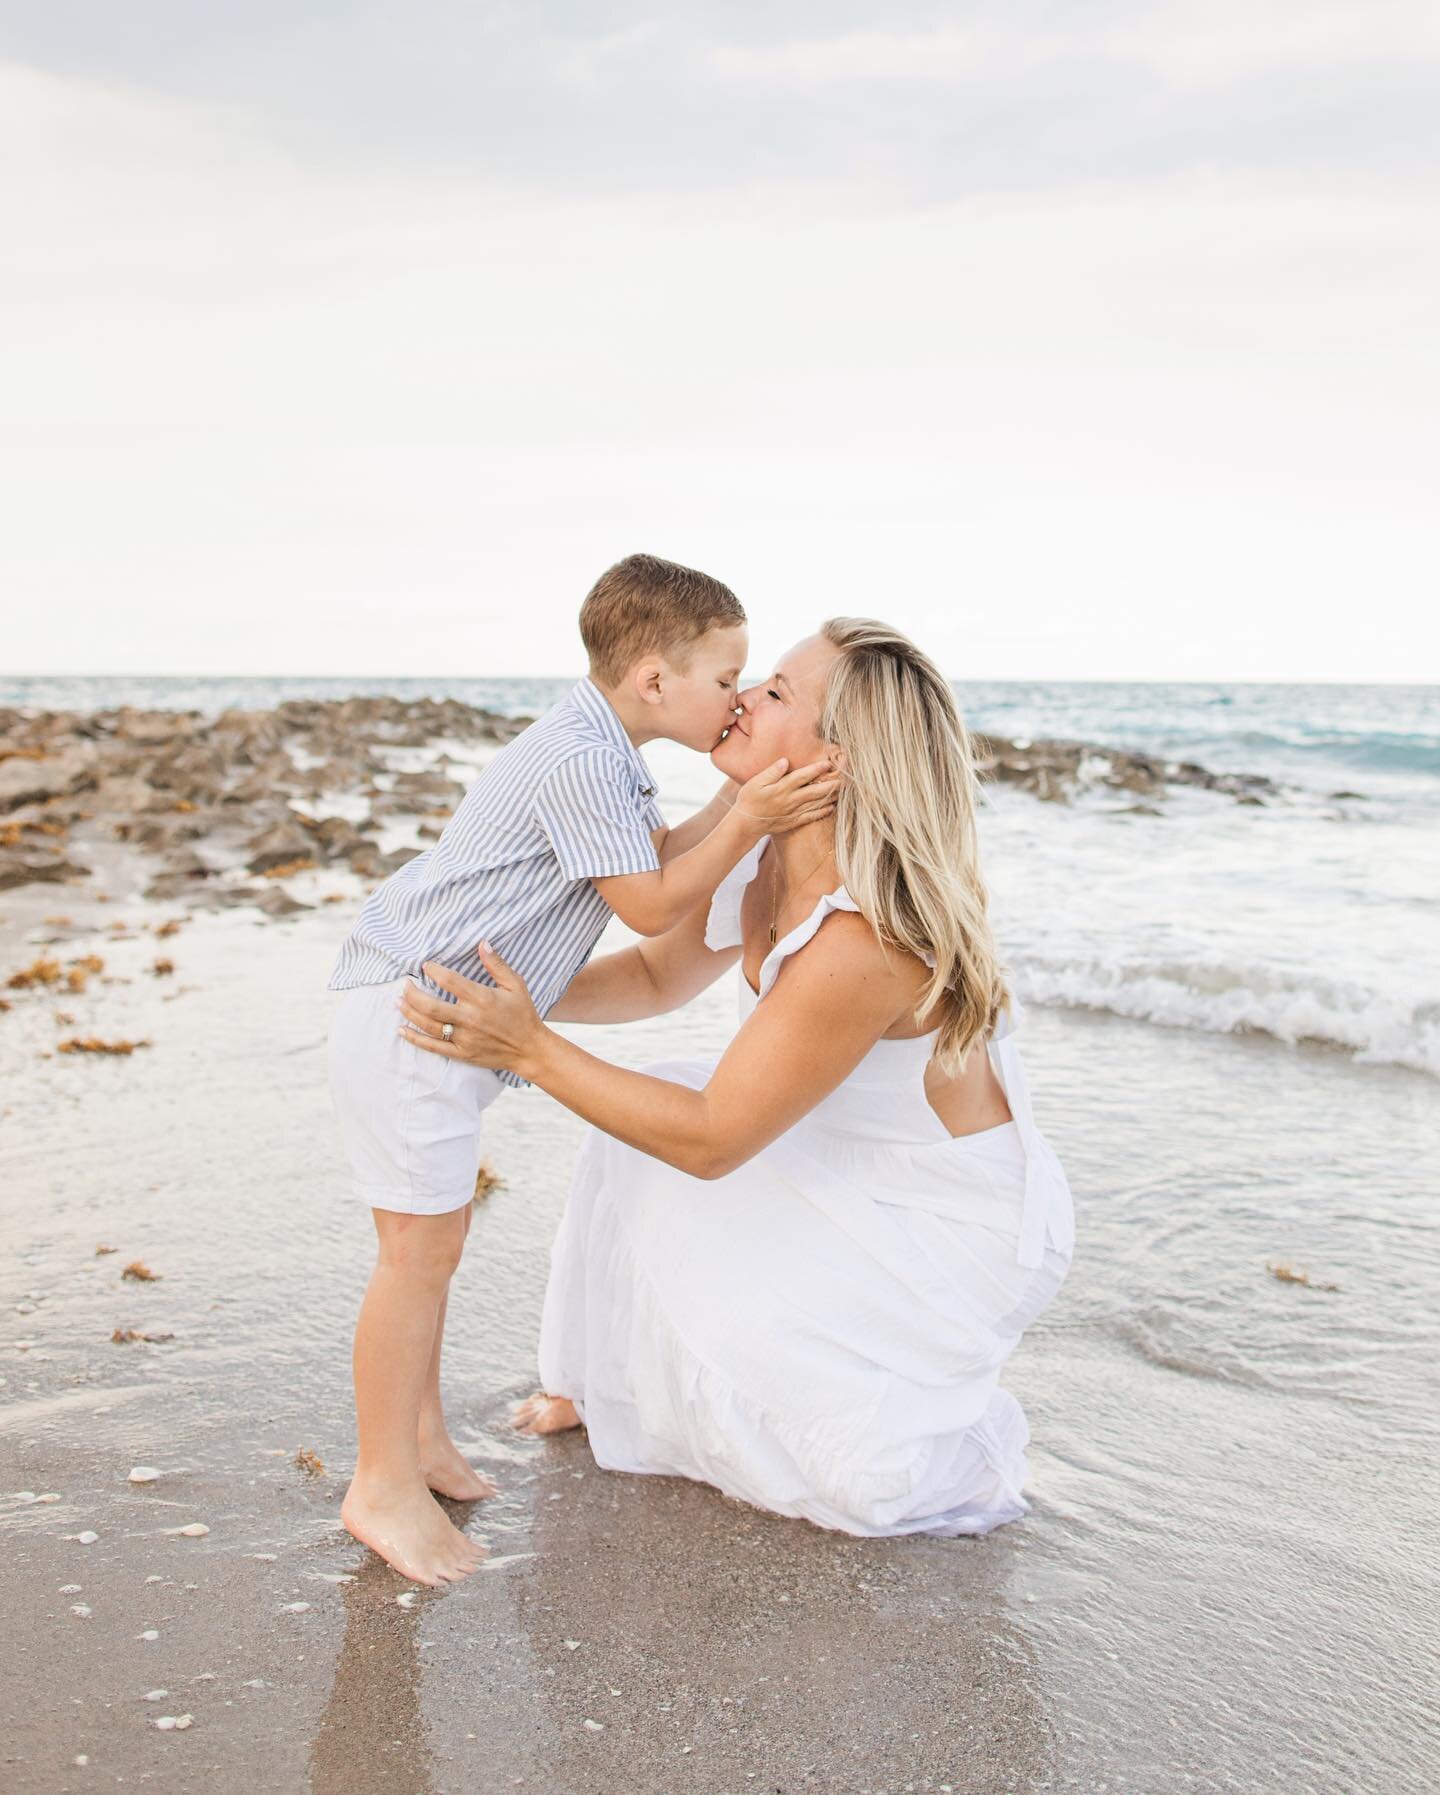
{"x": 905, "y": 836}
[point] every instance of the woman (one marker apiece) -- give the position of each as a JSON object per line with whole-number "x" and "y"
{"x": 796, "y": 1273}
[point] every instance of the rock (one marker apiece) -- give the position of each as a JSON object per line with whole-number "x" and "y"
{"x": 26, "y": 781}
{"x": 427, "y": 784}
{"x": 275, "y": 901}
{"x": 336, "y": 837}
{"x": 151, "y": 728}
{"x": 25, "y": 867}
{"x": 278, "y": 846}
{"x": 125, "y": 794}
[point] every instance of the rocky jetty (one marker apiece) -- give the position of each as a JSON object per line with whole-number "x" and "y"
{"x": 225, "y": 808}
{"x": 201, "y": 796}
{"x": 1058, "y": 771}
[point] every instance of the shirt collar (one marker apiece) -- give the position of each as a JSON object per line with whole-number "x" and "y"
{"x": 597, "y": 709}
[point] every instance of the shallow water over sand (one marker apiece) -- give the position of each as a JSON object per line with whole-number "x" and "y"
{"x": 1229, "y": 1579}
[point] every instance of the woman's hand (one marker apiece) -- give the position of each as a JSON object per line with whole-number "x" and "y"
{"x": 497, "y": 1027}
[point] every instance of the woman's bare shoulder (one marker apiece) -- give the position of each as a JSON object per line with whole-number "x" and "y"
{"x": 847, "y": 945}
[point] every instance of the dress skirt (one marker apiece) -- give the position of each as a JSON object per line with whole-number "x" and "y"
{"x": 819, "y": 1333}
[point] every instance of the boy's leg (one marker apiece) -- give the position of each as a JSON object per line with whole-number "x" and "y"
{"x": 442, "y": 1464}
{"x": 388, "y": 1505}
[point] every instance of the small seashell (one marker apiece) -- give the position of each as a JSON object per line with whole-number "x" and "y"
{"x": 572, "y": 1645}
{"x": 142, "y": 1474}
{"x": 165, "y": 1722}
{"x": 296, "y": 1608}
{"x": 264, "y": 1557}
{"x": 50, "y": 1496}
{"x": 87, "y": 1538}
{"x": 407, "y": 1600}
{"x": 70, "y": 1589}
{"x": 24, "y": 1308}
{"x": 593, "y": 1726}
{"x": 155, "y": 1695}
{"x": 80, "y": 1609}
{"x": 204, "y": 1676}
{"x": 154, "y": 1579}
{"x": 193, "y": 1530}
{"x": 22, "y": 1496}
{"x": 149, "y": 1633}
{"x": 80, "y": 1760}
{"x": 254, "y": 1683}
{"x": 182, "y": 1721}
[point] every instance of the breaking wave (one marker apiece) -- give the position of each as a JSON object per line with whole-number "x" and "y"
{"x": 1376, "y": 1029}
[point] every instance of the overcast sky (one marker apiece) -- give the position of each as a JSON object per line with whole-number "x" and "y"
{"x": 1082, "y": 341}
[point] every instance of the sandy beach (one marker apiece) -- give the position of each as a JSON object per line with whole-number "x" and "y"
{"x": 1229, "y": 1579}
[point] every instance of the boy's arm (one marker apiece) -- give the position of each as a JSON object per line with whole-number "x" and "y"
{"x": 773, "y": 801}
{"x": 671, "y": 843}
{"x": 649, "y": 979}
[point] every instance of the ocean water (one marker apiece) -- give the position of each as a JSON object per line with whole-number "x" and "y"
{"x": 1313, "y": 918}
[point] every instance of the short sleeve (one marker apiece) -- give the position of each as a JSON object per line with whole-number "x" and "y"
{"x": 596, "y": 817}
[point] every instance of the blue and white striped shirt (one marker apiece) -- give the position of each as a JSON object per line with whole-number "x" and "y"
{"x": 568, "y": 801}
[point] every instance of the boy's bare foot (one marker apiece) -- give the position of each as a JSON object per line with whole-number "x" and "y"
{"x": 411, "y": 1531}
{"x": 542, "y": 1414}
{"x": 449, "y": 1473}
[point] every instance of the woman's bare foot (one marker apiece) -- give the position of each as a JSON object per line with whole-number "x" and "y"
{"x": 542, "y": 1414}
{"x": 449, "y": 1473}
{"x": 410, "y": 1531}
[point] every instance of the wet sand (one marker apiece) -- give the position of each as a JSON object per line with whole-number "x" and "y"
{"x": 1229, "y": 1580}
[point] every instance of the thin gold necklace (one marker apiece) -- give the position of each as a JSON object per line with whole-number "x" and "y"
{"x": 775, "y": 889}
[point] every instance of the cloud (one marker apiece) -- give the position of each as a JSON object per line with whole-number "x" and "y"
{"x": 905, "y": 102}
{"x": 1054, "y": 365}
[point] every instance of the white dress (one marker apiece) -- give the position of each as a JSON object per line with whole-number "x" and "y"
{"x": 821, "y": 1332}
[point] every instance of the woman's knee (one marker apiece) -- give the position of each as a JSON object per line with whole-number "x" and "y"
{"x": 426, "y": 1248}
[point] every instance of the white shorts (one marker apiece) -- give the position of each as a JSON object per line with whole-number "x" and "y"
{"x": 410, "y": 1120}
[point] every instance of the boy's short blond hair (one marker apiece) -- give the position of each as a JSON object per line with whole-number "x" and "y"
{"x": 643, "y": 605}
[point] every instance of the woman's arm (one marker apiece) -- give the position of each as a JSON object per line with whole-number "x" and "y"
{"x": 828, "y": 1008}
{"x": 649, "y": 979}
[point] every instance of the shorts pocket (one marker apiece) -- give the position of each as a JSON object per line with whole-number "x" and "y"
{"x": 429, "y": 1072}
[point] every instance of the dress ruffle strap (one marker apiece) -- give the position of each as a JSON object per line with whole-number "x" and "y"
{"x": 1048, "y": 1215}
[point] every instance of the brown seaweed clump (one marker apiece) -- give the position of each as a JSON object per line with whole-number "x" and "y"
{"x": 310, "y": 1462}
{"x": 93, "y": 1044}
{"x": 41, "y": 971}
{"x": 139, "y": 1272}
{"x": 1287, "y": 1274}
{"x": 487, "y": 1179}
{"x": 163, "y": 967}
{"x": 128, "y": 1337}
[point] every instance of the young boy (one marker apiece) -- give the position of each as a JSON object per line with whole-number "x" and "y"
{"x": 560, "y": 830}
